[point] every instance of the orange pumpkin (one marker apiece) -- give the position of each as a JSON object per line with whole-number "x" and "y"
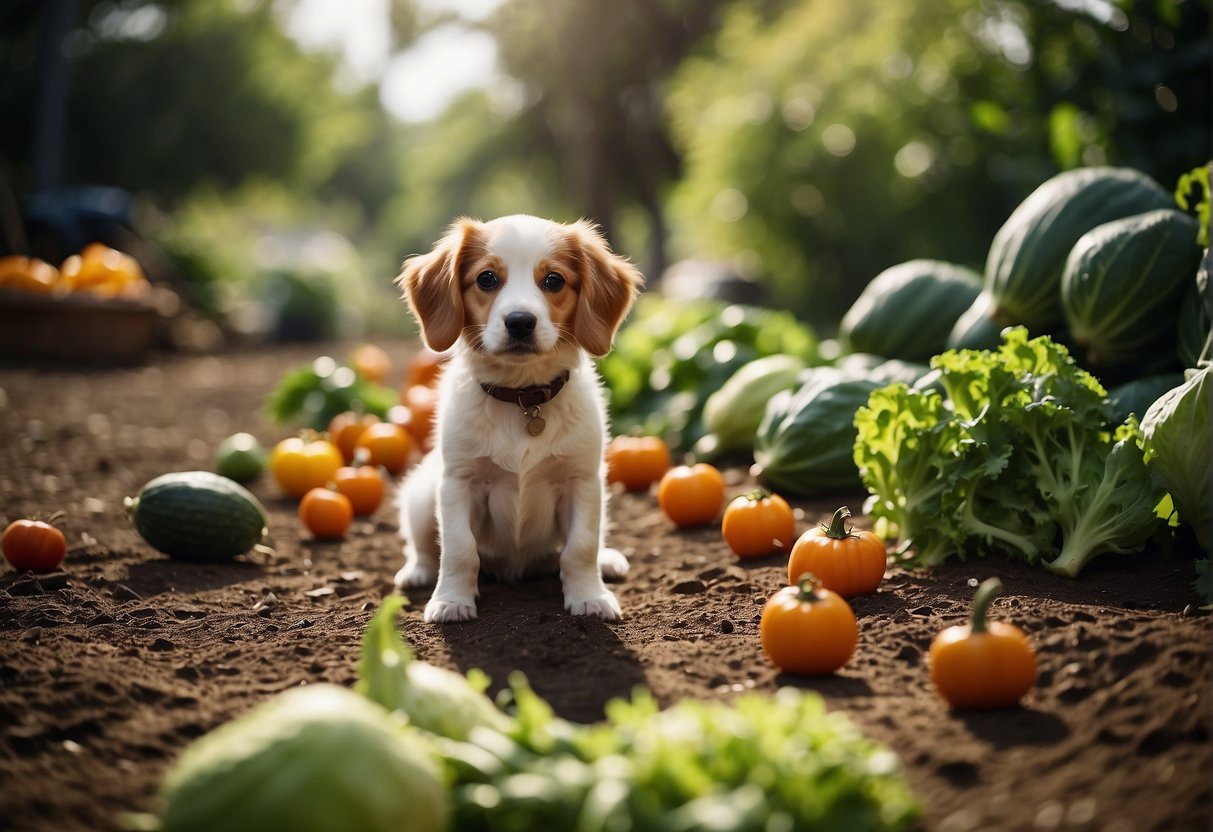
{"x": 27, "y": 274}
{"x": 983, "y": 664}
{"x": 807, "y": 629}
{"x": 847, "y": 562}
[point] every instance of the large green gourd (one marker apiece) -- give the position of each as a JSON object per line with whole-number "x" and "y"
{"x": 1028, "y": 254}
{"x": 197, "y": 515}
{"x": 804, "y": 445}
{"x": 908, "y": 310}
{"x": 1122, "y": 287}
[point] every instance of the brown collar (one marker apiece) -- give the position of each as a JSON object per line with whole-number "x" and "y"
{"x": 531, "y": 396}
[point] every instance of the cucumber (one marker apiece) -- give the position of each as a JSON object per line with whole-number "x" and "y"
{"x": 197, "y": 515}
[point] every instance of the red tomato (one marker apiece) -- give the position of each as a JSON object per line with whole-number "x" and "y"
{"x": 34, "y": 545}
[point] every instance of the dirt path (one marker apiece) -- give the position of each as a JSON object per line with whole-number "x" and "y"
{"x": 109, "y": 669}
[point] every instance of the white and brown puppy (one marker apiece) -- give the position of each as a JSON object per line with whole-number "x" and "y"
{"x": 515, "y": 483}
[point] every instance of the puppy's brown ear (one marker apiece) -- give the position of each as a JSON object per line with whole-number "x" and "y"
{"x": 432, "y": 287}
{"x": 609, "y": 286}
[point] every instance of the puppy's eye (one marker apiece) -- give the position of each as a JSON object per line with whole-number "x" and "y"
{"x": 553, "y": 282}
{"x": 487, "y": 281}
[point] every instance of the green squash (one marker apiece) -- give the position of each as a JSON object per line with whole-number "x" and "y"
{"x": 1028, "y": 255}
{"x": 1138, "y": 395}
{"x": 908, "y": 310}
{"x": 197, "y": 515}
{"x": 732, "y": 413}
{"x": 1122, "y": 287}
{"x": 804, "y": 446}
{"x": 976, "y": 328}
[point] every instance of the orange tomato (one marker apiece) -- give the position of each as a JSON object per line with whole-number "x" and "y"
{"x": 362, "y": 485}
{"x": 691, "y": 495}
{"x": 385, "y": 444}
{"x": 347, "y": 428}
{"x": 371, "y": 362}
{"x": 299, "y": 465}
{"x": 637, "y": 461}
{"x": 325, "y": 513}
{"x": 758, "y": 524}
{"x": 421, "y": 401}
{"x": 425, "y": 368}
{"x": 983, "y": 664}
{"x": 34, "y": 545}
{"x": 28, "y": 274}
{"x": 807, "y": 629}
{"x": 848, "y": 562}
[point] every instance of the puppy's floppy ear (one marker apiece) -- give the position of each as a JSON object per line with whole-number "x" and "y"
{"x": 432, "y": 286}
{"x": 609, "y": 286}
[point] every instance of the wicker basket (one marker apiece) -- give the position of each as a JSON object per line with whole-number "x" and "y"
{"x": 80, "y": 330}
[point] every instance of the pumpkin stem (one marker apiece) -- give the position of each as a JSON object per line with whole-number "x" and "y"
{"x": 837, "y": 529}
{"x": 807, "y": 586}
{"x": 986, "y": 593}
{"x": 758, "y": 495}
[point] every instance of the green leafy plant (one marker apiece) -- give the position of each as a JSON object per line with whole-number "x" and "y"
{"x": 313, "y": 394}
{"x": 762, "y": 762}
{"x": 1192, "y": 193}
{"x": 1019, "y": 458}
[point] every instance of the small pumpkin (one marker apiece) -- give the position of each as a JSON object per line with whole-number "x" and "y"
{"x": 758, "y": 524}
{"x": 983, "y": 664}
{"x": 808, "y": 630}
{"x": 848, "y": 562}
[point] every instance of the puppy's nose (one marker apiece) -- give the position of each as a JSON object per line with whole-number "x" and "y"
{"x": 520, "y": 324}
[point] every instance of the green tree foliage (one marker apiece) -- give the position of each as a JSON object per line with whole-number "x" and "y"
{"x": 167, "y": 96}
{"x": 827, "y": 141}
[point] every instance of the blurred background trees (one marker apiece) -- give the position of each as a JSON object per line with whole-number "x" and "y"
{"x": 807, "y": 143}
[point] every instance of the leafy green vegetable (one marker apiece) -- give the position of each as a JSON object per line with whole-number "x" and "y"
{"x": 763, "y": 762}
{"x": 1176, "y": 429}
{"x": 1192, "y": 193}
{"x": 435, "y": 699}
{"x": 315, "y": 393}
{"x": 1020, "y": 454}
{"x": 313, "y": 759}
{"x": 672, "y": 355}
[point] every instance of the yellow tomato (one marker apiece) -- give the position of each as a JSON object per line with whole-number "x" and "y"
{"x": 299, "y": 464}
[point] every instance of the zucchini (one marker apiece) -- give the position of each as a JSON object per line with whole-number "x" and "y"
{"x": 197, "y": 515}
{"x": 732, "y": 413}
{"x": 1028, "y": 255}
{"x": 907, "y": 310}
{"x": 1123, "y": 284}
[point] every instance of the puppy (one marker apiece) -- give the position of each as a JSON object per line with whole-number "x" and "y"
{"x": 515, "y": 482}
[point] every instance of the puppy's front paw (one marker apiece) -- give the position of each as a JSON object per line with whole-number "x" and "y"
{"x": 437, "y": 611}
{"x": 602, "y": 605}
{"x": 413, "y": 575}
{"x": 612, "y": 564}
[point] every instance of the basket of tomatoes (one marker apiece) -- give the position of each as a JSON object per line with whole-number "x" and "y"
{"x": 94, "y": 308}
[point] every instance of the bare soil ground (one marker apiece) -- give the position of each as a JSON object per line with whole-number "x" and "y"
{"x": 111, "y": 667}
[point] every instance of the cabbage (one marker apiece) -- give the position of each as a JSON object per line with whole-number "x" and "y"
{"x": 1176, "y": 430}
{"x": 313, "y": 759}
